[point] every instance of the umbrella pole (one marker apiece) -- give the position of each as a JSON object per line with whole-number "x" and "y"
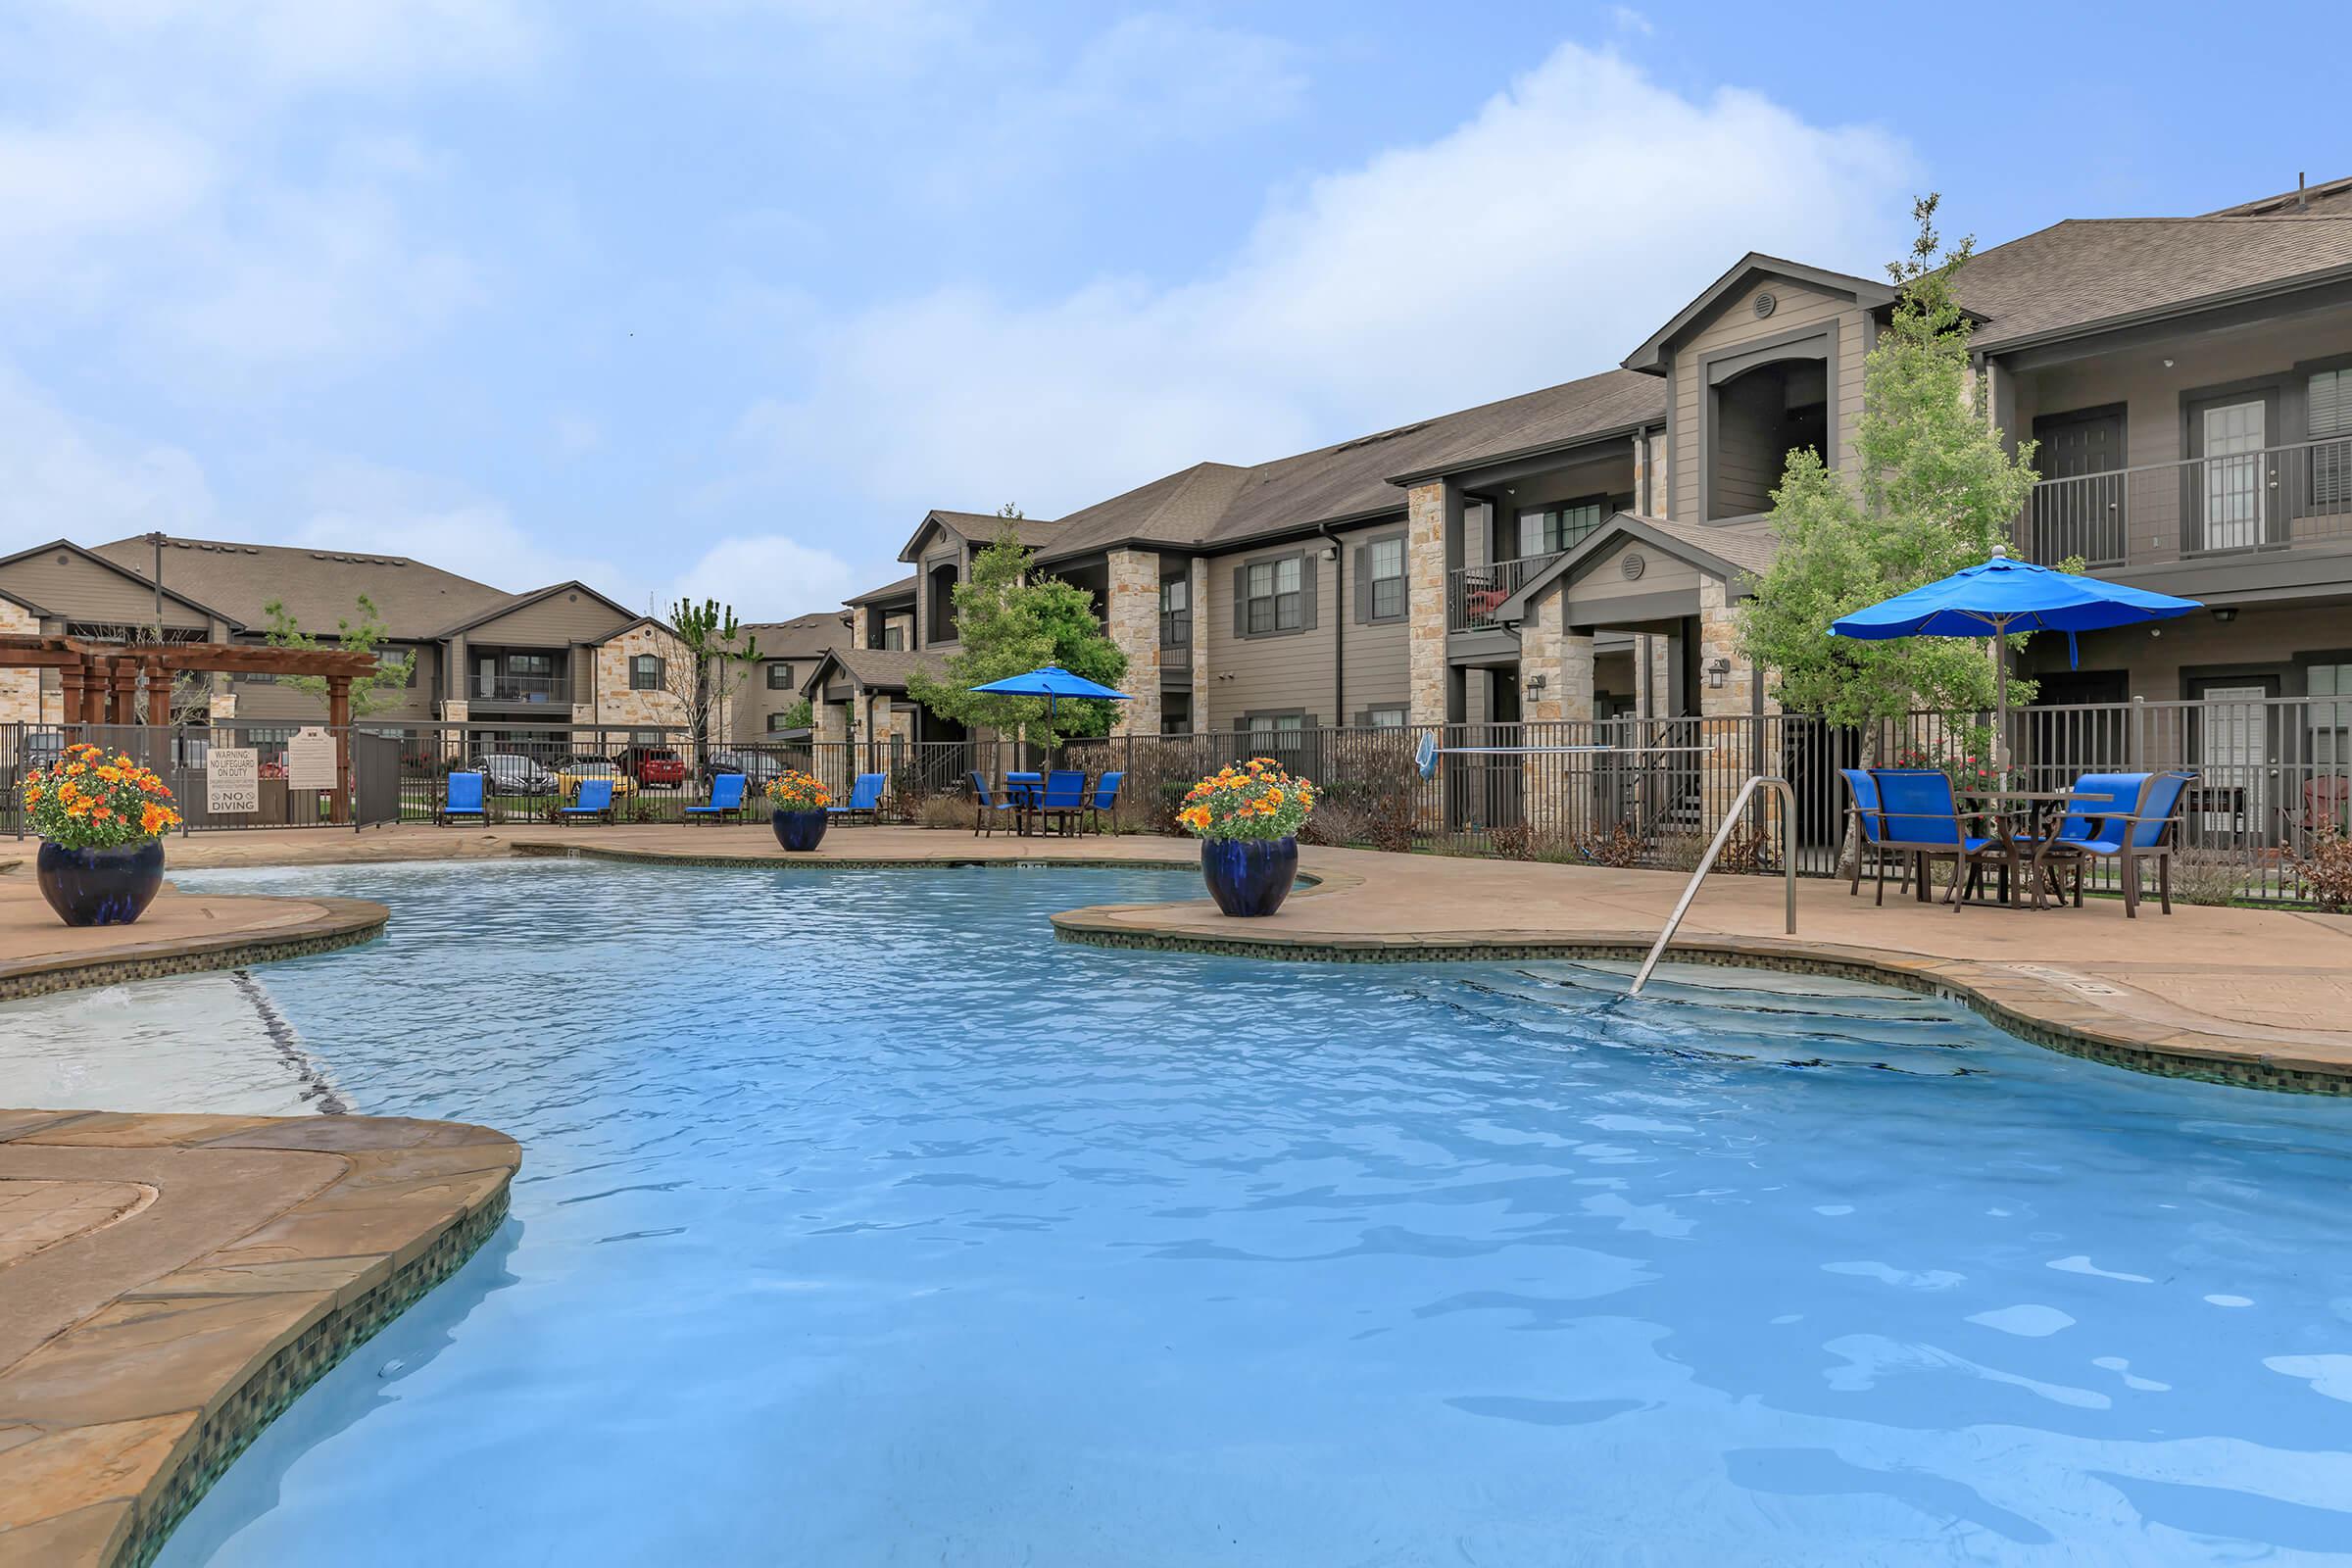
{"x": 2000, "y": 684}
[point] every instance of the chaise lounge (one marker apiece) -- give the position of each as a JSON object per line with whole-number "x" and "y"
{"x": 461, "y": 796}
{"x": 726, "y": 801}
{"x": 595, "y": 799}
{"x": 866, "y": 801}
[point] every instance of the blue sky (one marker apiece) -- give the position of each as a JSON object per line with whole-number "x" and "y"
{"x": 719, "y": 295}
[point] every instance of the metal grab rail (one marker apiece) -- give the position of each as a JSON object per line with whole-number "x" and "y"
{"x": 1723, "y": 833}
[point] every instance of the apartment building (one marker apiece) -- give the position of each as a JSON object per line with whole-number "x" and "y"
{"x": 1579, "y": 552}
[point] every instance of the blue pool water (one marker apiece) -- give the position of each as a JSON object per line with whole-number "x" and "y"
{"x": 861, "y": 1223}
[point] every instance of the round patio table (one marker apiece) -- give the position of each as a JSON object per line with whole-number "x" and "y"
{"x": 2043, "y": 803}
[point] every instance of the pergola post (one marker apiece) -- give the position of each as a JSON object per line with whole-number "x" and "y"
{"x": 159, "y": 694}
{"x": 68, "y": 686}
{"x": 97, "y": 690}
{"x": 124, "y": 709}
{"x": 338, "y": 719}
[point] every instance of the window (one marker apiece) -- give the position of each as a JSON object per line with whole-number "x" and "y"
{"x": 2330, "y": 689}
{"x": 941, "y": 626}
{"x": 777, "y": 722}
{"x": 389, "y": 662}
{"x": 779, "y": 677}
{"x": 645, "y": 672}
{"x": 894, "y": 636}
{"x": 1384, "y": 717}
{"x": 531, "y": 663}
{"x": 1175, "y": 612}
{"x": 1549, "y": 530}
{"x": 2329, "y": 415}
{"x": 1387, "y": 568}
{"x": 1274, "y": 598}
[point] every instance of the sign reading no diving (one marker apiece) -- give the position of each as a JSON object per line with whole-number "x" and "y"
{"x": 232, "y": 780}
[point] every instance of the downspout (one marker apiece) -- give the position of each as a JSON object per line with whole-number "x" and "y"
{"x": 1339, "y": 626}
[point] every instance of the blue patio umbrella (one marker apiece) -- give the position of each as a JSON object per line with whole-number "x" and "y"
{"x": 1053, "y": 682}
{"x": 2003, "y": 597}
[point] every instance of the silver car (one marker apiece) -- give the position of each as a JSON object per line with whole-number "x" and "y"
{"x": 511, "y": 773}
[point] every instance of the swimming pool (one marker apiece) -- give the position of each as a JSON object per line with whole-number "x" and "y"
{"x": 861, "y": 1223}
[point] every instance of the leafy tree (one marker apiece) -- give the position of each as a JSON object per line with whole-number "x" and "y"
{"x": 368, "y": 692}
{"x": 718, "y": 659}
{"x": 800, "y": 714}
{"x": 1936, "y": 492}
{"x": 1007, "y": 623}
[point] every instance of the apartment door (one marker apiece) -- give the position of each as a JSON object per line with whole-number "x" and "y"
{"x": 2232, "y": 776}
{"x": 2078, "y": 508}
{"x": 2236, "y": 483}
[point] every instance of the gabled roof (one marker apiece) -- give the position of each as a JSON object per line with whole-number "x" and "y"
{"x": 318, "y": 587}
{"x": 120, "y": 570}
{"x": 2094, "y": 274}
{"x": 1649, "y": 358}
{"x": 880, "y": 669}
{"x": 510, "y": 602}
{"x": 1733, "y": 552}
{"x": 801, "y": 637}
{"x": 981, "y": 529}
{"x": 2329, "y": 198}
{"x": 904, "y": 588}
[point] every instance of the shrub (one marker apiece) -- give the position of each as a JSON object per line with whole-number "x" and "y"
{"x": 943, "y": 810}
{"x": 2208, "y": 876}
{"x": 2327, "y": 872}
{"x": 1618, "y": 847}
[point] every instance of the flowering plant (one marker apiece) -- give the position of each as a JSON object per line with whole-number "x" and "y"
{"x": 1969, "y": 766}
{"x": 798, "y": 792}
{"x": 86, "y": 802}
{"x": 1255, "y": 800}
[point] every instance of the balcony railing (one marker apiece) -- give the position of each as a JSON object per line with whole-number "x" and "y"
{"x": 2266, "y": 499}
{"x": 524, "y": 691}
{"x": 1473, "y": 594}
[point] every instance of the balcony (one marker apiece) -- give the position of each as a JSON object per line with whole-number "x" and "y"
{"x": 1473, "y": 594}
{"x": 520, "y": 691}
{"x": 2271, "y": 497}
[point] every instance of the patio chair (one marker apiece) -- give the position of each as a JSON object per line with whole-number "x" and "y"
{"x": 988, "y": 809}
{"x": 1104, "y": 799}
{"x": 727, "y": 800}
{"x": 594, "y": 800}
{"x": 461, "y": 796}
{"x": 1864, "y": 810}
{"x": 2326, "y": 801}
{"x": 1923, "y": 820}
{"x": 1063, "y": 802}
{"x": 866, "y": 801}
{"x": 2093, "y": 799}
{"x": 2151, "y": 830}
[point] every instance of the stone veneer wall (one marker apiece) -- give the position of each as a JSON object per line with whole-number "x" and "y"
{"x": 1563, "y": 658}
{"x": 1200, "y": 625}
{"x": 1425, "y": 592}
{"x": 615, "y": 704}
{"x": 1718, "y": 638}
{"x": 1133, "y": 614}
{"x": 19, "y": 688}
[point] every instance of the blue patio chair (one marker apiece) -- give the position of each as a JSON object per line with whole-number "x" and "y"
{"x": 1104, "y": 799}
{"x": 461, "y": 796}
{"x": 989, "y": 809}
{"x": 594, "y": 800}
{"x": 1063, "y": 802}
{"x": 1864, "y": 810}
{"x": 2090, "y": 800}
{"x": 866, "y": 801}
{"x": 726, "y": 801}
{"x": 2149, "y": 830}
{"x": 1923, "y": 819}
{"x": 1023, "y": 789}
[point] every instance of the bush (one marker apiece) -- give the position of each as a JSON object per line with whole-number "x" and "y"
{"x": 942, "y": 811}
{"x": 2326, "y": 873}
{"x": 2208, "y": 876}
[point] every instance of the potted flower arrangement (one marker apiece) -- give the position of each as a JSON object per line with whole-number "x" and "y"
{"x": 1247, "y": 820}
{"x": 101, "y": 823}
{"x": 797, "y": 810}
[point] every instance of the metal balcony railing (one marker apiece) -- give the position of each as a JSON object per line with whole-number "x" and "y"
{"x": 1473, "y": 594}
{"x": 2265, "y": 499}
{"x": 522, "y": 690}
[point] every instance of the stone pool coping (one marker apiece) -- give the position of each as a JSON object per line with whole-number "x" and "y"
{"x": 141, "y": 1352}
{"x": 182, "y": 933}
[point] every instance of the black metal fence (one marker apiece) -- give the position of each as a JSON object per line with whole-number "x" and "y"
{"x": 181, "y": 756}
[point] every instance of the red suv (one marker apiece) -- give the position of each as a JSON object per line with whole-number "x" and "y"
{"x": 651, "y": 765}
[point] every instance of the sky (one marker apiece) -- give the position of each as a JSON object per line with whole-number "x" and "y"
{"x": 718, "y": 297}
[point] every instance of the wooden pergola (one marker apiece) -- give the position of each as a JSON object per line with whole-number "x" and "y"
{"x": 101, "y": 684}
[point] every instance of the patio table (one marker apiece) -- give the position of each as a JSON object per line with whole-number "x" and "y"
{"x": 2046, "y": 809}
{"x": 1026, "y": 791}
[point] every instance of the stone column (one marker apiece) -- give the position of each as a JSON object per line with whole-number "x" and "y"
{"x": 1553, "y": 784}
{"x": 1200, "y": 644}
{"x": 1428, "y": 509}
{"x": 1132, "y": 611}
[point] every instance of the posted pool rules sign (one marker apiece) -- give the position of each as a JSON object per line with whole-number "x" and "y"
{"x": 232, "y": 780}
{"x": 311, "y": 760}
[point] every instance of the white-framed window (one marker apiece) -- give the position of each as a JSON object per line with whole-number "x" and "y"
{"x": 1384, "y": 717}
{"x": 1549, "y": 530}
{"x": 1175, "y": 612}
{"x": 1387, "y": 570}
{"x": 1274, "y": 595}
{"x": 2330, "y": 689}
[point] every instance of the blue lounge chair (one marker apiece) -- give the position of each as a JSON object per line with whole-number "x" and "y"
{"x": 988, "y": 810}
{"x": 1104, "y": 801}
{"x": 461, "y": 797}
{"x": 726, "y": 801}
{"x": 1864, "y": 809}
{"x": 1023, "y": 789}
{"x": 1063, "y": 802}
{"x": 866, "y": 801}
{"x": 2149, "y": 830}
{"x": 594, "y": 800}
{"x": 2091, "y": 799}
{"x": 1923, "y": 819}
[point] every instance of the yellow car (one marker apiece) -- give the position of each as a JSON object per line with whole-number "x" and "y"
{"x": 573, "y": 774}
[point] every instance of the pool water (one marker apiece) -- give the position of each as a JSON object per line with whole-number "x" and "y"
{"x": 862, "y": 1223}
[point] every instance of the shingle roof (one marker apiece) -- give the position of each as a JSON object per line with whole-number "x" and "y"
{"x": 2329, "y": 198}
{"x": 801, "y": 637}
{"x": 2087, "y": 271}
{"x": 904, "y": 588}
{"x": 318, "y": 587}
{"x": 875, "y": 668}
{"x": 982, "y": 527}
{"x": 1218, "y": 505}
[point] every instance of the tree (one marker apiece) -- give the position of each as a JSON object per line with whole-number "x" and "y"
{"x": 362, "y": 636}
{"x": 1007, "y": 623}
{"x": 1937, "y": 492}
{"x": 800, "y": 714}
{"x": 719, "y": 658}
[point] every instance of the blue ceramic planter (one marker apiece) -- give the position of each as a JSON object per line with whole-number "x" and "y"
{"x": 799, "y": 830}
{"x": 100, "y": 887}
{"x": 1249, "y": 877}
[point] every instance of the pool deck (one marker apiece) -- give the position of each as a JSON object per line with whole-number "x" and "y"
{"x": 167, "y": 1284}
{"x": 180, "y": 933}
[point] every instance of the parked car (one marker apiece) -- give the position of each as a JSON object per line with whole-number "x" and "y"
{"x": 758, "y": 768}
{"x": 651, "y": 765}
{"x": 572, "y": 771}
{"x": 511, "y": 773}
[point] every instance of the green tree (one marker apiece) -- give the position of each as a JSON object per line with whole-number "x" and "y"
{"x": 800, "y": 714}
{"x": 368, "y": 692}
{"x": 1937, "y": 491}
{"x": 1008, "y": 623}
{"x": 719, "y": 658}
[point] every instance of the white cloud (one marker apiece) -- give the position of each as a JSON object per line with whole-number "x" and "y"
{"x": 338, "y": 43}
{"x": 1539, "y": 241}
{"x": 349, "y": 504}
{"x": 61, "y": 477}
{"x": 769, "y": 577}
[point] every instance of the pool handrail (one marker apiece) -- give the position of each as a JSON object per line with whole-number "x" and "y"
{"x": 1723, "y": 832}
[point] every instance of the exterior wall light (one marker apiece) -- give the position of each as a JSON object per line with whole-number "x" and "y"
{"x": 1718, "y": 672}
{"x": 2225, "y": 614}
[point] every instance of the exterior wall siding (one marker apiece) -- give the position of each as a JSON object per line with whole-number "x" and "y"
{"x": 557, "y": 622}
{"x": 80, "y": 590}
{"x": 1798, "y": 307}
